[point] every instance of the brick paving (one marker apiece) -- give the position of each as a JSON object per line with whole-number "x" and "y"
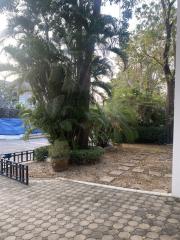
{"x": 56, "y": 209}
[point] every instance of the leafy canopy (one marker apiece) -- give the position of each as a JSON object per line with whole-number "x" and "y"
{"x": 60, "y": 50}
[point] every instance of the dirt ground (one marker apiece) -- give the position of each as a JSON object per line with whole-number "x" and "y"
{"x": 138, "y": 166}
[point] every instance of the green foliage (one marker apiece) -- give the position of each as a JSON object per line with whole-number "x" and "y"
{"x": 86, "y": 156}
{"x": 123, "y": 115}
{"x": 109, "y": 125}
{"x": 41, "y": 154}
{"x": 56, "y": 54}
{"x": 135, "y": 104}
{"x": 59, "y": 150}
{"x": 157, "y": 44}
{"x": 156, "y": 135}
{"x": 139, "y": 93}
{"x": 100, "y": 127}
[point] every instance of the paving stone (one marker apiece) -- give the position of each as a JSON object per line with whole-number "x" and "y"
{"x": 37, "y": 238}
{"x": 127, "y": 216}
{"x": 86, "y": 232}
{"x": 13, "y": 229}
{"x": 136, "y": 237}
{"x": 124, "y": 235}
{"x": 20, "y": 233}
{"x": 107, "y": 179}
{"x": 45, "y": 225}
{"x": 53, "y": 228}
{"x": 133, "y": 223}
{"x": 27, "y": 236}
{"x": 164, "y": 237}
{"x": 108, "y": 223}
{"x": 171, "y": 220}
{"x": 123, "y": 168}
{"x": 118, "y": 214}
{"x": 140, "y": 232}
{"x": 116, "y": 173}
{"x": 97, "y": 234}
{"x": 107, "y": 237}
{"x": 168, "y": 175}
{"x": 129, "y": 164}
{"x": 144, "y": 226}
{"x": 128, "y": 229}
{"x": 154, "y": 173}
{"x": 123, "y": 220}
{"x": 153, "y": 235}
{"x": 29, "y": 227}
{"x": 138, "y": 170}
{"x": 10, "y": 238}
{"x": 92, "y": 226}
{"x": 80, "y": 237}
{"x": 45, "y": 233}
{"x": 150, "y": 216}
{"x": 156, "y": 229}
{"x": 53, "y": 237}
{"x": 70, "y": 234}
{"x": 99, "y": 220}
{"x": 118, "y": 226}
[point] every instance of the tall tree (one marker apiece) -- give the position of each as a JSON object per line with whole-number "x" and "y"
{"x": 60, "y": 51}
{"x": 158, "y": 22}
{"x": 169, "y": 17}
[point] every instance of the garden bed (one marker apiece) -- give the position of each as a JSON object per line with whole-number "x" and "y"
{"x": 138, "y": 166}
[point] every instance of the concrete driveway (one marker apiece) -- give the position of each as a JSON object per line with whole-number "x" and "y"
{"x": 9, "y": 146}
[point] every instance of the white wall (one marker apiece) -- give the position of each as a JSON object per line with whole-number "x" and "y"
{"x": 176, "y": 152}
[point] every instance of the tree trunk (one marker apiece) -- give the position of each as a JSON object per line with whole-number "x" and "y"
{"x": 170, "y": 111}
{"x": 84, "y": 99}
{"x": 85, "y": 81}
{"x": 168, "y": 73}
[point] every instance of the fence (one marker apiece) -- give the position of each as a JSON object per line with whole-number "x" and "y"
{"x": 11, "y": 165}
{"x": 20, "y": 157}
{"x": 13, "y": 170}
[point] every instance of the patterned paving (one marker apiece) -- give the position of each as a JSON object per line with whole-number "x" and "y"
{"x": 56, "y": 209}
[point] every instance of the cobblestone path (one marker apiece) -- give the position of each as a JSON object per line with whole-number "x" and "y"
{"x": 56, "y": 209}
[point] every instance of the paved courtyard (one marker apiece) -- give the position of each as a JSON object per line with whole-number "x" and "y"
{"x": 9, "y": 146}
{"x": 56, "y": 209}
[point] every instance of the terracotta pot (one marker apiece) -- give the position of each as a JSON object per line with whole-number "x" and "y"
{"x": 59, "y": 164}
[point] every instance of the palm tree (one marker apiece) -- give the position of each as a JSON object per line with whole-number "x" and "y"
{"x": 61, "y": 52}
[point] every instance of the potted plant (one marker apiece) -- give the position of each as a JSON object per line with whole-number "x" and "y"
{"x": 59, "y": 153}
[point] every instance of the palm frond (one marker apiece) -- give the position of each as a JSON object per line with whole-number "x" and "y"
{"x": 121, "y": 53}
{"x": 6, "y": 67}
{"x": 103, "y": 85}
{"x": 7, "y": 4}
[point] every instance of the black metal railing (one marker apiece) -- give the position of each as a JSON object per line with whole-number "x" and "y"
{"x": 20, "y": 157}
{"x": 11, "y": 165}
{"x": 13, "y": 170}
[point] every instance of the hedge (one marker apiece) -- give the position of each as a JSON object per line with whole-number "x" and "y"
{"x": 155, "y": 135}
{"x": 86, "y": 156}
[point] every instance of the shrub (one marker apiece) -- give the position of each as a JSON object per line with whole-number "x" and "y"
{"x": 60, "y": 150}
{"x": 86, "y": 156}
{"x": 151, "y": 135}
{"x": 40, "y": 154}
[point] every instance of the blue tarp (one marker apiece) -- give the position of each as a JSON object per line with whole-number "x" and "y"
{"x": 13, "y": 126}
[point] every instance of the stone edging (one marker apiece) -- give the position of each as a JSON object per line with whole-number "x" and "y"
{"x": 106, "y": 186}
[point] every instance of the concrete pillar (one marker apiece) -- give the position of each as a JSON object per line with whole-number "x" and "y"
{"x": 176, "y": 150}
